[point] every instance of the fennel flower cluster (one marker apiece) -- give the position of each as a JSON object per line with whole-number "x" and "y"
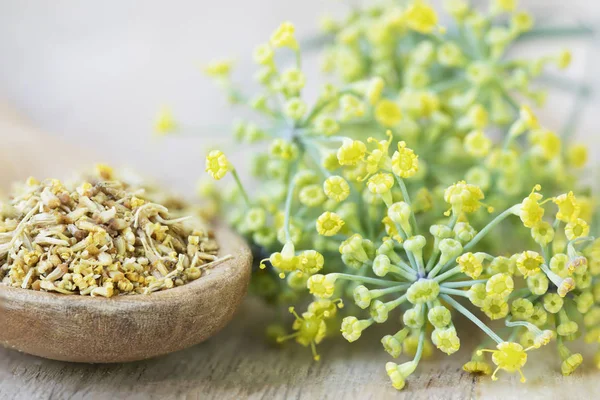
{"x": 421, "y": 187}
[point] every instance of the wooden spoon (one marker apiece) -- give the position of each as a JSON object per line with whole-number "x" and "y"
{"x": 124, "y": 328}
{"x": 127, "y": 328}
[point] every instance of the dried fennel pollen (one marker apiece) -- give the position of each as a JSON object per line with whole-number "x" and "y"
{"x": 101, "y": 239}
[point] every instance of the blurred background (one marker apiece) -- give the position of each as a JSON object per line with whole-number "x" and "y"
{"x": 94, "y": 73}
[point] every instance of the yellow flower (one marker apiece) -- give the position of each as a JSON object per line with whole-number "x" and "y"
{"x": 295, "y": 108}
{"x": 577, "y": 155}
{"x": 286, "y": 260}
{"x": 553, "y": 303}
{"x": 559, "y": 265}
{"x": 422, "y": 291}
{"x": 521, "y": 21}
{"x": 505, "y": 5}
{"x": 351, "y": 152}
{"x": 293, "y": 80}
{"x": 529, "y": 263}
{"x": 495, "y": 307}
{"x": 388, "y": 113}
{"x": 322, "y": 286}
{"x": 310, "y": 330}
{"x": 263, "y": 54}
{"x": 542, "y": 233}
{"x": 284, "y": 149}
{"x": 351, "y": 107}
{"x": 478, "y": 144}
{"x": 284, "y": 36}
{"x": 576, "y": 229}
{"x": 311, "y": 195}
{"x": 336, "y": 188}
{"x": 464, "y": 197}
{"x": 310, "y": 261}
{"x": 218, "y": 68}
{"x": 478, "y": 367}
{"x": 446, "y": 340}
{"x": 329, "y": 223}
{"x": 352, "y": 327}
{"x": 568, "y": 207}
{"x": 500, "y": 284}
{"x": 380, "y": 183}
{"x": 327, "y": 125}
{"x": 399, "y": 373}
{"x": 405, "y": 163}
{"x": 217, "y": 164}
{"x": 470, "y": 264}
{"x": 421, "y": 17}
{"x": 509, "y": 356}
{"x": 531, "y": 213}
{"x": 547, "y": 143}
{"x": 569, "y": 365}
{"x": 164, "y": 123}
{"x": 439, "y": 316}
{"x": 521, "y": 308}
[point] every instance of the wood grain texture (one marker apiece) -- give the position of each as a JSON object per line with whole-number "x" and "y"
{"x": 100, "y": 330}
{"x": 238, "y": 363}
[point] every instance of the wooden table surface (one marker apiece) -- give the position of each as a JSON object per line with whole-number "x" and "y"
{"x": 238, "y": 363}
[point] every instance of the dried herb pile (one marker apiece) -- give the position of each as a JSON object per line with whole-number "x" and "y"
{"x": 98, "y": 238}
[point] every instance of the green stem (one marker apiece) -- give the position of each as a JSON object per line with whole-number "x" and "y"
{"x": 390, "y": 305}
{"x": 488, "y": 228}
{"x": 238, "y": 182}
{"x": 463, "y": 283}
{"x": 410, "y": 276}
{"x": 404, "y": 190}
{"x": 453, "y": 292}
{"x": 445, "y": 275}
{"x": 458, "y": 307}
{"x": 420, "y": 346}
{"x": 288, "y": 204}
{"x": 525, "y": 324}
{"x": 364, "y": 279}
{"x": 382, "y": 292}
{"x": 556, "y": 31}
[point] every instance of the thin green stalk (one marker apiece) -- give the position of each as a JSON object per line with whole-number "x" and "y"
{"x": 420, "y": 346}
{"x": 364, "y": 279}
{"x": 404, "y": 190}
{"x": 432, "y": 259}
{"x": 488, "y": 228}
{"x": 410, "y": 276}
{"x": 436, "y": 252}
{"x": 405, "y": 266}
{"x": 395, "y": 303}
{"x": 544, "y": 32}
{"x": 238, "y": 182}
{"x": 288, "y": 204}
{"x": 445, "y": 275}
{"x": 463, "y": 283}
{"x": 382, "y": 292}
{"x": 458, "y": 307}
{"x": 453, "y": 292}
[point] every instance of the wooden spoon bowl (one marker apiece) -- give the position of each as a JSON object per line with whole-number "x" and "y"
{"x": 127, "y": 328}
